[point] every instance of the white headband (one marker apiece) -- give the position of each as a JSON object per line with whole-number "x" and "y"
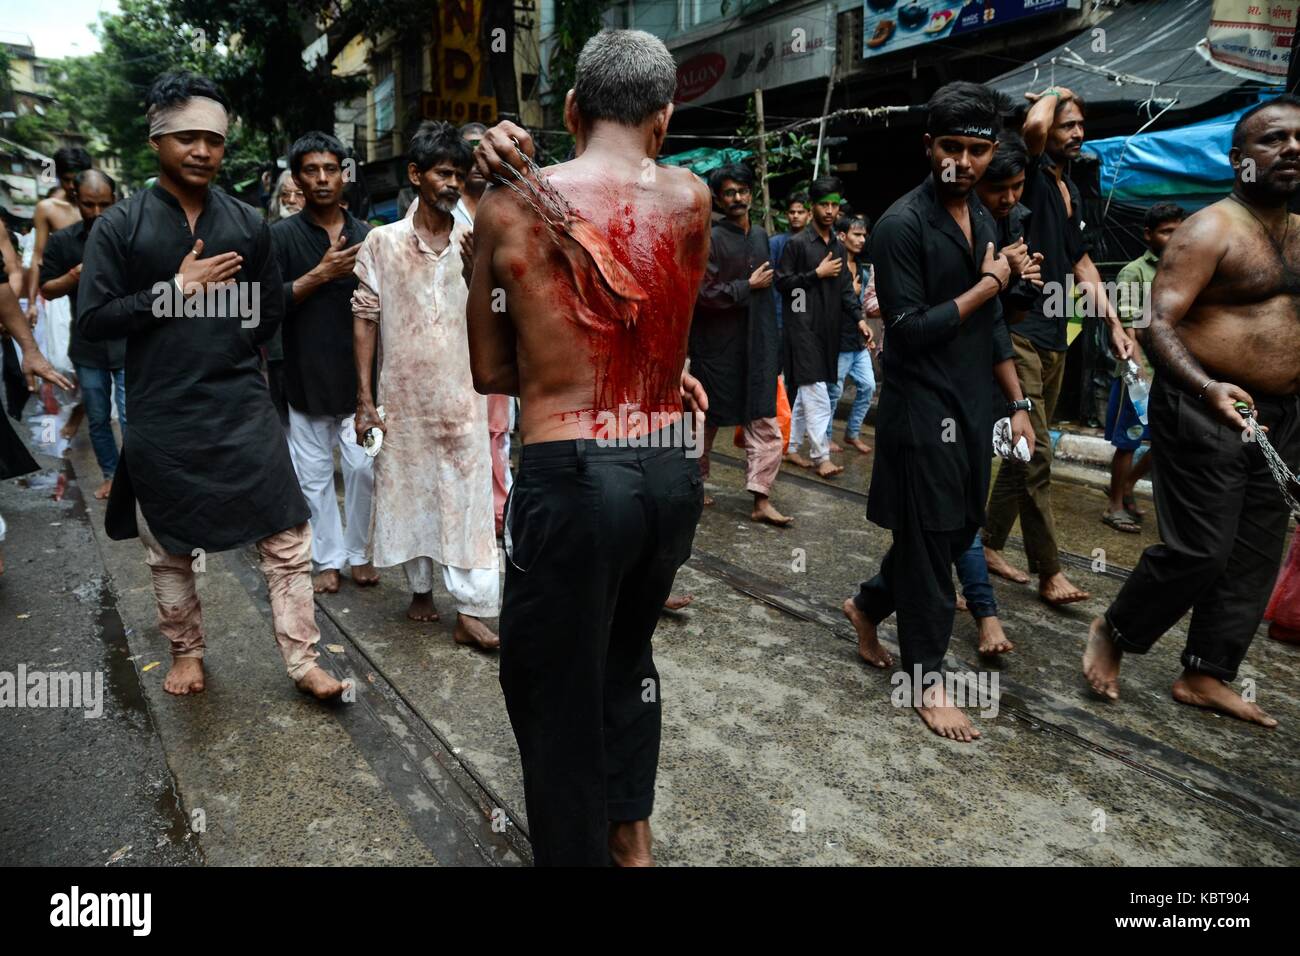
{"x": 197, "y": 112}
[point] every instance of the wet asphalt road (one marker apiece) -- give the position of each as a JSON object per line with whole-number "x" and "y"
{"x": 779, "y": 747}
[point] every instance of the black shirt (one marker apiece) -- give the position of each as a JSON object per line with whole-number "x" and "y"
{"x": 932, "y": 423}
{"x": 63, "y": 250}
{"x": 320, "y": 375}
{"x": 1059, "y": 237}
{"x": 812, "y": 332}
{"x": 733, "y": 344}
{"x": 1020, "y": 295}
{"x": 205, "y": 455}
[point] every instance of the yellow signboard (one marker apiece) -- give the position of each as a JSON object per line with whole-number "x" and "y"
{"x": 461, "y": 86}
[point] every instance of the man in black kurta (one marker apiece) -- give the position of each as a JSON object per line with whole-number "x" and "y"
{"x": 938, "y": 278}
{"x": 317, "y": 252}
{"x": 100, "y": 366}
{"x": 733, "y": 343}
{"x": 186, "y": 273}
{"x": 817, "y": 299}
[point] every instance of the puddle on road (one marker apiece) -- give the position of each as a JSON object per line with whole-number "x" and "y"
{"x": 124, "y": 688}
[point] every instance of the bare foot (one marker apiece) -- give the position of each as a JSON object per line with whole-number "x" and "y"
{"x": 828, "y": 469}
{"x": 364, "y": 575}
{"x": 858, "y": 443}
{"x": 999, "y": 566}
{"x": 795, "y": 458}
{"x": 630, "y": 843}
{"x": 327, "y": 582}
{"x": 320, "y": 684}
{"x": 961, "y": 603}
{"x": 1101, "y": 660}
{"x": 943, "y": 718}
{"x": 1203, "y": 690}
{"x": 472, "y": 631}
{"x": 835, "y": 448}
{"x": 763, "y": 511}
{"x": 422, "y": 608}
{"x": 676, "y": 603}
{"x": 708, "y": 501}
{"x": 1057, "y": 590}
{"x": 869, "y": 646}
{"x": 993, "y": 640}
{"x": 73, "y": 424}
{"x": 185, "y": 677}
{"x": 103, "y": 490}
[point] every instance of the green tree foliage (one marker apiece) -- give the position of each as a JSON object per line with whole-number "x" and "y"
{"x": 251, "y": 48}
{"x": 576, "y": 21}
{"x": 789, "y": 159}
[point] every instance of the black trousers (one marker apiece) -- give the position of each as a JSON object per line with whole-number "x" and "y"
{"x": 1222, "y": 525}
{"x": 915, "y": 581}
{"x": 595, "y": 536}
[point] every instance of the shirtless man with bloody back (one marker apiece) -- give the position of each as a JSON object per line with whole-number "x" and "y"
{"x": 1225, "y": 329}
{"x": 580, "y": 303}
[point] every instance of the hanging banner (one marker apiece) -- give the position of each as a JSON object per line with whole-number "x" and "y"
{"x": 1251, "y": 38}
{"x": 461, "y": 90}
{"x": 891, "y": 25}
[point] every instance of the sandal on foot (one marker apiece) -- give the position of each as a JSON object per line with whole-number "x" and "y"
{"x": 1121, "y": 521}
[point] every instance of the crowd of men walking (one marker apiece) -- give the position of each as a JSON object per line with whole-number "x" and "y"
{"x": 252, "y": 348}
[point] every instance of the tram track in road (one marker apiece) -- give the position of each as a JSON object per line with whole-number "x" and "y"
{"x": 1040, "y": 710}
{"x": 1081, "y": 562}
{"x": 446, "y": 801}
{"x": 1048, "y": 713}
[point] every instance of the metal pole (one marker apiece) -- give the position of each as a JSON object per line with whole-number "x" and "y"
{"x": 762, "y": 161}
{"x": 821, "y": 128}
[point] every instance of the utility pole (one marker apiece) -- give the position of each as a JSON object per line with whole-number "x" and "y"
{"x": 762, "y": 160}
{"x": 821, "y": 128}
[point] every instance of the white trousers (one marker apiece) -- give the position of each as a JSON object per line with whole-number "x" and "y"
{"x": 311, "y": 446}
{"x": 476, "y": 591}
{"x": 811, "y": 415}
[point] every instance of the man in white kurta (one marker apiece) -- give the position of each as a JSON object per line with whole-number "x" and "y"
{"x": 433, "y": 474}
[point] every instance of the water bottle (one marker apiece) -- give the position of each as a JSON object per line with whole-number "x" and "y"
{"x": 1138, "y": 389}
{"x": 373, "y": 439}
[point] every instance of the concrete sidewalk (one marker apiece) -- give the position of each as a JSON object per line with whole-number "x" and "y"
{"x": 260, "y": 773}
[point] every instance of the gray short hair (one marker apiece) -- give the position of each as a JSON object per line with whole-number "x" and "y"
{"x": 624, "y": 76}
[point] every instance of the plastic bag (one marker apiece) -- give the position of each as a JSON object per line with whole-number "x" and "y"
{"x": 1284, "y": 606}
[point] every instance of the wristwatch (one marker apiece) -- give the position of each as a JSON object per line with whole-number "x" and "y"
{"x": 1023, "y": 405}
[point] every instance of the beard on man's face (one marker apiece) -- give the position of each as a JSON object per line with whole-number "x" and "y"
{"x": 446, "y": 199}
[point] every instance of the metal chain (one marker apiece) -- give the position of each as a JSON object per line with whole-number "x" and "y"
{"x": 1283, "y": 475}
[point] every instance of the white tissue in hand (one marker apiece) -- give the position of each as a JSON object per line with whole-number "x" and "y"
{"x": 1002, "y": 446}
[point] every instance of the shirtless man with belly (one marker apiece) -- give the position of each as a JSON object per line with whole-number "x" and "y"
{"x": 580, "y": 303}
{"x": 1225, "y": 328}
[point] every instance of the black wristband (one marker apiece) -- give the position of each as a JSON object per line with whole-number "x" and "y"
{"x": 990, "y": 275}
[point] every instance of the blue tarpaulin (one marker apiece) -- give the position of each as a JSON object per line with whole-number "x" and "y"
{"x": 1188, "y": 165}
{"x": 704, "y": 160}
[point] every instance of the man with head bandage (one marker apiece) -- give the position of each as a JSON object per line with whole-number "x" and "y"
{"x": 187, "y": 275}
{"x": 938, "y": 278}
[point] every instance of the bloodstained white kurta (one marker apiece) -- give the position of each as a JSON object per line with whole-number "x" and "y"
{"x": 433, "y": 475}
